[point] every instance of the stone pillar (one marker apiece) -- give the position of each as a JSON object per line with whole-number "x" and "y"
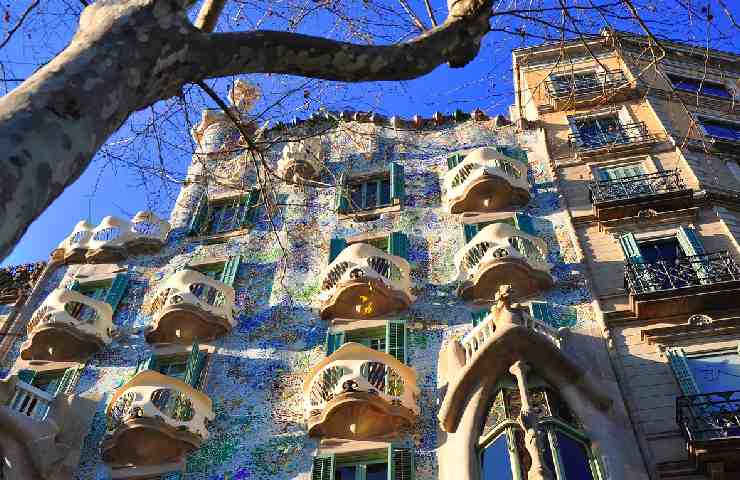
{"x": 528, "y": 421}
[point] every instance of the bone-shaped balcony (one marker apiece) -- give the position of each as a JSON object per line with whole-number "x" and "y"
{"x": 114, "y": 239}
{"x": 359, "y": 393}
{"x": 68, "y": 326}
{"x": 301, "y": 160}
{"x": 486, "y": 180}
{"x": 365, "y": 282}
{"x": 154, "y": 419}
{"x": 188, "y": 306}
{"x": 501, "y": 254}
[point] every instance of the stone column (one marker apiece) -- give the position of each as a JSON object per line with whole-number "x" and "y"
{"x": 528, "y": 421}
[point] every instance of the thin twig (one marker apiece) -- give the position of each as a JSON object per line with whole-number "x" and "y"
{"x": 15, "y": 28}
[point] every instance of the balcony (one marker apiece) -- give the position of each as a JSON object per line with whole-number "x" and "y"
{"x": 580, "y": 91}
{"x": 692, "y": 284}
{"x": 360, "y": 394}
{"x": 485, "y": 181}
{"x": 189, "y": 306}
{"x": 626, "y": 197}
{"x": 67, "y": 327}
{"x": 711, "y": 425}
{"x": 629, "y": 138}
{"x": 114, "y": 239}
{"x": 154, "y": 419}
{"x": 301, "y": 160}
{"x": 501, "y": 254}
{"x": 365, "y": 282}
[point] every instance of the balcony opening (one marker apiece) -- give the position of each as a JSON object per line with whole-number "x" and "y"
{"x": 365, "y": 197}
{"x": 396, "y": 461}
{"x": 699, "y": 86}
{"x": 217, "y": 217}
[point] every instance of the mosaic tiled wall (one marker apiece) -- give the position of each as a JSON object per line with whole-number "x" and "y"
{"x": 256, "y": 372}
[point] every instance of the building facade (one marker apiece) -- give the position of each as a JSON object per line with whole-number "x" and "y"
{"x": 358, "y": 297}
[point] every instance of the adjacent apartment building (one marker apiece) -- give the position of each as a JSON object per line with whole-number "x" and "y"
{"x": 352, "y": 296}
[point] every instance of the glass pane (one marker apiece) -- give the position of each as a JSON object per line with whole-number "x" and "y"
{"x": 377, "y": 471}
{"x": 345, "y": 473}
{"x": 372, "y": 195}
{"x": 495, "y": 460}
{"x": 174, "y": 370}
{"x": 667, "y": 250}
{"x": 574, "y": 457}
{"x": 355, "y": 195}
{"x": 716, "y": 373}
{"x": 385, "y": 192}
{"x": 721, "y": 129}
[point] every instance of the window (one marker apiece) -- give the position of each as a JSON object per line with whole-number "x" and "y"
{"x": 571, "y": 83}
{"x": 187, "y": 367}
{"x": 365, "y": 194}
{"x": 620, "y": 171}
{"x": 390, "y": 338}
{"x": 394, "y": 463}
{"x": 720, "y": 129}
{"x": 224, "y": 272}
{"x": 699, "y": 86}
{"x": 395, "y": 243}
{"x": 594, "y": 132}
{"x": 663, "y": 249}
{"x": 522, "y": 222}
{"x": 502, "y": 450}
{"x": 110, "y": 291}
{"x": 221, "y": 216}
{"x": 57, "y": 382}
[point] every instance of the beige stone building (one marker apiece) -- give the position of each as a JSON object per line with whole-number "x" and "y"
{"x": 643, "y": 139}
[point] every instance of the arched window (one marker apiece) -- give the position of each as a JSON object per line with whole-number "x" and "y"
{"x": 563, "y": 447}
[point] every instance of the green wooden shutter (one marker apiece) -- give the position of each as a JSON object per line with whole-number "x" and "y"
{"x": 401, "y": 462}
{"x": 336, "y": 245}
{"x": 231, "y": 268}
{"x": 680, "y": 367}
{"x": 26, "y": 376}
{"x": 68, "y": 381}
{"x": 470, "y": 230}
{"x": 454, "y": 160}
{"x": 542, "y": 312}
{"x": 342, "y": 202}
{"x": 525, "y": 223}
{"x": 199, "y": 214}
{"x": 395, "y": 339}
{"x": 74, "y": 286}
{"x": 689, "y": 241}
{"x": 398, "y": 184}
{"x": 251, "y": 207}
{"x": 117, "y": 290}
{"x": 630, "y": 248}
{"x": 323, "y": 467}
{"x": 148, "y": 363}
{"x": 478, "y": 316}
{"x": 194, "y": 368}
{"x": 398, "y": 244}
{"x": 334, "y": 341}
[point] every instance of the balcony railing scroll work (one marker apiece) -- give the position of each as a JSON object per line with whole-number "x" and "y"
{"x": 628, "y": 196}
{"x": 113, "y": 239}
{"x": 501, "y": 254}
{"x": 690, "y": 284}
{"x": 361, "y": 394}
{"x": 68, "y": 326}
{"x": 618, "y": 137}
{"x": 154, "y": 419}
{"x": 581, "y": 90}
{"x": 188, "y": 306}
{"x": 486, "y": 180}
{"x": 710, "y": 423}
{"x": 365, "y": 282}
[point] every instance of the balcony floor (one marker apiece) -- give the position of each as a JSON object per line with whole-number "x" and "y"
{"x": 361, "y": 299}
{"x": 68, "y": 344}
{"x": 524, "y": 279}
{"x": 497, "y": 190}
{"x": 183, "y": 323}
{"x": 360, "y": 416}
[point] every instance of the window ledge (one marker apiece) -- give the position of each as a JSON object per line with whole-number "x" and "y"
{"x": 372, "y": 214}
{"x": 220, "y": 237}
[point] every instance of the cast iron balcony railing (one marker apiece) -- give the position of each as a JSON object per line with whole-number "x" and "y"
{"x": 709, "y": 416}
{"x": 615, "y": 135}
{"x": 636, "y": 186}
{"x": 692, "y": 271}
{"x": 576, "y": 86}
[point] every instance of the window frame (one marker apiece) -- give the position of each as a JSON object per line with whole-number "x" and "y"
{"x": 363, "y": 182}
{"x": 710, "y": 118}
{"x": 507, "y": 428}
{"x": 553, "y": 425}
{"x": 674, "y": 79}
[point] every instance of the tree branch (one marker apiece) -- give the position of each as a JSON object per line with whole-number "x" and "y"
{"x": 209, "y": 15}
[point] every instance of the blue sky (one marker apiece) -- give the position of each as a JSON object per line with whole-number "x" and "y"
{"x": 109, "y": 187}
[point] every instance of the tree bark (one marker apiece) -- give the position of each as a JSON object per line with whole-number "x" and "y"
{"x": 128, "y": 54}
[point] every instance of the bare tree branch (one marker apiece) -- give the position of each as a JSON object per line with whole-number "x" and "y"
{"x": 209, "y": 15}
{"x": 18, "y": 24}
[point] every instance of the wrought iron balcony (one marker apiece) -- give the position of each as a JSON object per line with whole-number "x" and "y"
{"x": 301, "y": 160}
{"x": 633, "y": 137}
{"x": 67, "y": 327}
{"x": 190, "y": 305}
{"x": 359, "y": 393}
{"x": 486, "y": 180}
{"x": 579, "y": 86}
{"x": 710, "y": 422}
{"x": 154, "y": 419}
{"x": 365, "y": 282}
{"x": 114, "y": 239}
{"x": 501, "y": 254}
{"x": 627, "y": 196}
{"x": 687, "y": 285}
